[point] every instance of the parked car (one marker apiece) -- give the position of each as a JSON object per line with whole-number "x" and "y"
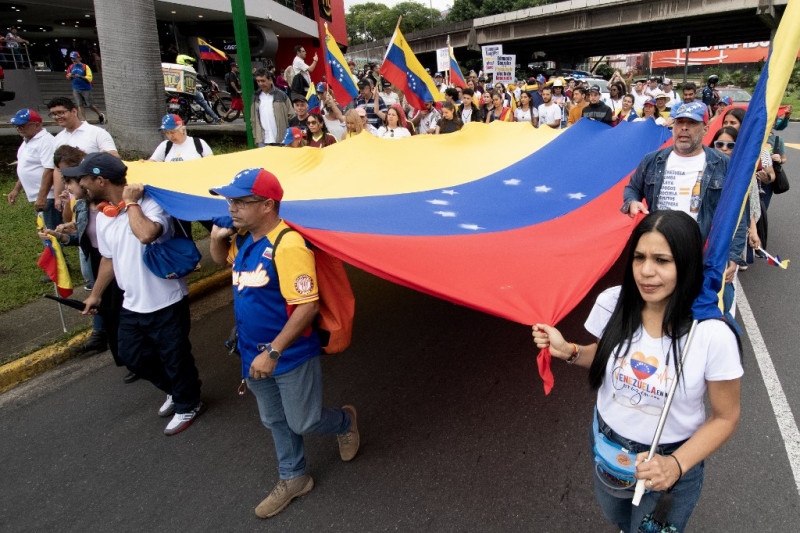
{"x": 737, "y": 95}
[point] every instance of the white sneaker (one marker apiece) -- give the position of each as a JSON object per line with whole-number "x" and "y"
{"x": 182, "y": 421}
{"x": 167, "y": 408}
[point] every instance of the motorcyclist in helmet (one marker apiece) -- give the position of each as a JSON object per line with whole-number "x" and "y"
{"x": 189, "y": 61}
{"x": 710, "y": 93}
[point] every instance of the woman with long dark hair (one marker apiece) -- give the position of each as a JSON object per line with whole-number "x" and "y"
{"x": 641, "y": 328}
{"x": 318, "y": 136}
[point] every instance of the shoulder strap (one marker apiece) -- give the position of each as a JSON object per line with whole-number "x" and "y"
{"x": 168, "y": 148}
{"x": 198, "y": 146}
{"x": 278, "y": 240}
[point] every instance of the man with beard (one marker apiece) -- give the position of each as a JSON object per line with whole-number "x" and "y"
{"x": 154, "y": 322}
{"x": 549, "y": 111}
{"x": 687, "y": 176}
{"x": 597, "y": 110}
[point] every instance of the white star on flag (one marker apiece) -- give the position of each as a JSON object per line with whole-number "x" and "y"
{"x": 512, "y": 181}
{"x": 451, "y": 192}
{"x": 447, "y": 214}
{"x": 470, "y": 226}
{"x": 438, "y": 202}
{"x": 576, "y": 195}
{"x": 543, "y": 188}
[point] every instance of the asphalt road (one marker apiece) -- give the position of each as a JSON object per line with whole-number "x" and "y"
{"x": 457, "y": 434}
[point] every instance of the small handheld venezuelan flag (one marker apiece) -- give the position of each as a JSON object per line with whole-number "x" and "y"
{"x": 774, "y": 260}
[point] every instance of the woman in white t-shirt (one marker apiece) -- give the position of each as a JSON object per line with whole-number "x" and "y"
{"x": 526, "y": 112}
{"x": 641, "y": 329}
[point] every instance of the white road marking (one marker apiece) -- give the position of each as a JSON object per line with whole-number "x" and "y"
{"x": 783, "y": 413}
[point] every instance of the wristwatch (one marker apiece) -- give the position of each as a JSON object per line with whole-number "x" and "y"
{"x": 273, "y": 353}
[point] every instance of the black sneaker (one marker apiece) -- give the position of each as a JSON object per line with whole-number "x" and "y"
{"x": 95, "y": 343}
{"x": 102, "y": 118}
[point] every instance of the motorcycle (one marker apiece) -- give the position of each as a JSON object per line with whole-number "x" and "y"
{"x": 185, "y": 106}
{"x": 220, "y": 101}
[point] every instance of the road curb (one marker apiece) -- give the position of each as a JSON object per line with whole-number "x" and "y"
{"x": 21, "y": 370}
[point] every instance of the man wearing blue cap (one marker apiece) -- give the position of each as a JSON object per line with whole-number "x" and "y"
{"x": 81, "y": 76}
{"x": 35, "y": 166}
{"x": 687, "y": 176}
{"x": 276, "y": 300}
{"x": 154, "y": 322}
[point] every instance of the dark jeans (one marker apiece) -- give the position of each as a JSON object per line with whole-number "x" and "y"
{"x": 155, "y": 346}
{"x": 51, "y": 215}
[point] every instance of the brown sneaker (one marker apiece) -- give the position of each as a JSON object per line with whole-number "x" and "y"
{"x": 282, "y": 495}
{"x": 350, "y": 440}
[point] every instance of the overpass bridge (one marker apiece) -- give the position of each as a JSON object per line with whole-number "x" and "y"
{"x": 568, "y": 32}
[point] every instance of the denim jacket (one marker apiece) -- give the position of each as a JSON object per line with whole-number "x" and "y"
{"x": 649, "y": 176}
{"x": 80, "y": 213}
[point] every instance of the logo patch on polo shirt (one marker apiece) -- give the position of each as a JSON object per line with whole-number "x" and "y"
{"x": 303, "y": 284}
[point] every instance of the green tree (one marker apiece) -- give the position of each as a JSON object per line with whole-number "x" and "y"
{"x": 464, "y": 10}
{"x": 360, "y": 19}
{"x": 371, "y": 21}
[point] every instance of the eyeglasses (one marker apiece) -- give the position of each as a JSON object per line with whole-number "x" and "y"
{"x": 56, "y": 114}
{"x": 238, "y": 203}
{"x": 728, "y": 145}
{"x": 311, "y": 122}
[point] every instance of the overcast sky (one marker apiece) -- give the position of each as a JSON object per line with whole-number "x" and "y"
{"x": 441, "y": 5}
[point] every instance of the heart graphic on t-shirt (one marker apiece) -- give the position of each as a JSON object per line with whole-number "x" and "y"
{"x": 643, "y": 366}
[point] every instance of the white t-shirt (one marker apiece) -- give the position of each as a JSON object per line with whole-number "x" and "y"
{"x": 635, "y": 386}
{"x": 678, "y": 191}
{"x": 389, "y": 98}
{"x": 639, "y": 100}
{"x": 525, "y": 116}
{"x": 549, "y": 114}
{"x": 266, "y": 114}
{"x": 466, "y": 115}
{"x": 428, "y": 122}
{"x": 301, "y": 69}
{"x": 33, "y": 157}
{"x": 87, "y": 137}
{"x": 144, "y": 291}
{"x": 186, "y": 151}
{"x": 396, "y": 133}
{"x": 614, "y": 104}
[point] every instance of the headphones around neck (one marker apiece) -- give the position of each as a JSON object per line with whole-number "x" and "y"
{"x": 110, "y": 210}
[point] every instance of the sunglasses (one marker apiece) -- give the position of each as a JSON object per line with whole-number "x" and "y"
{"x": 728, "y": 145}
{"x": 310, "y": 122}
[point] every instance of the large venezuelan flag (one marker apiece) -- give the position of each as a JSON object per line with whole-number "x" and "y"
{"x": 522, "y": 225}
{"x": 402, "y": 68}
{"x": 338, "y": 72}
{"x": 758, "y": 121}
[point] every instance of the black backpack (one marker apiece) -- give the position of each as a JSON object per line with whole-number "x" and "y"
{"x": 197, "y": 146}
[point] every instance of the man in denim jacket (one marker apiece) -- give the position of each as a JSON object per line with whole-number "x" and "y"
{"x": 666, "y": 179}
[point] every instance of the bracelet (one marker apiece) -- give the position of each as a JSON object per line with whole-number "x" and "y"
{"x": 128, "y": 204}
{"x": 576, "y": 354}
{"x": 680, "y": 468}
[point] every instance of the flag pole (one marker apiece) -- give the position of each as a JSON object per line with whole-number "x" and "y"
{"x": 60, "y": 310}
{"x": 662, "y": 421}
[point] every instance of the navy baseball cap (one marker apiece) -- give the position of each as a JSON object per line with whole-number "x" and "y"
{"x": 97, "y": 164}
{"x": 23, "y": 116}
{"x": 252, "y": 181}
{"x": 696, "y": 111}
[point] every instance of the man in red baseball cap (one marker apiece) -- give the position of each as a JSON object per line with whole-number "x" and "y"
{"x": 276, "y": 301}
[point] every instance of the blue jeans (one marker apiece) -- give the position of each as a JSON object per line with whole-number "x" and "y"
{"x": 200, "y": 99}
{"x": 290, "y": 406}
{"x": 617, "y": 506}
{"x": 51, "y": 215}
